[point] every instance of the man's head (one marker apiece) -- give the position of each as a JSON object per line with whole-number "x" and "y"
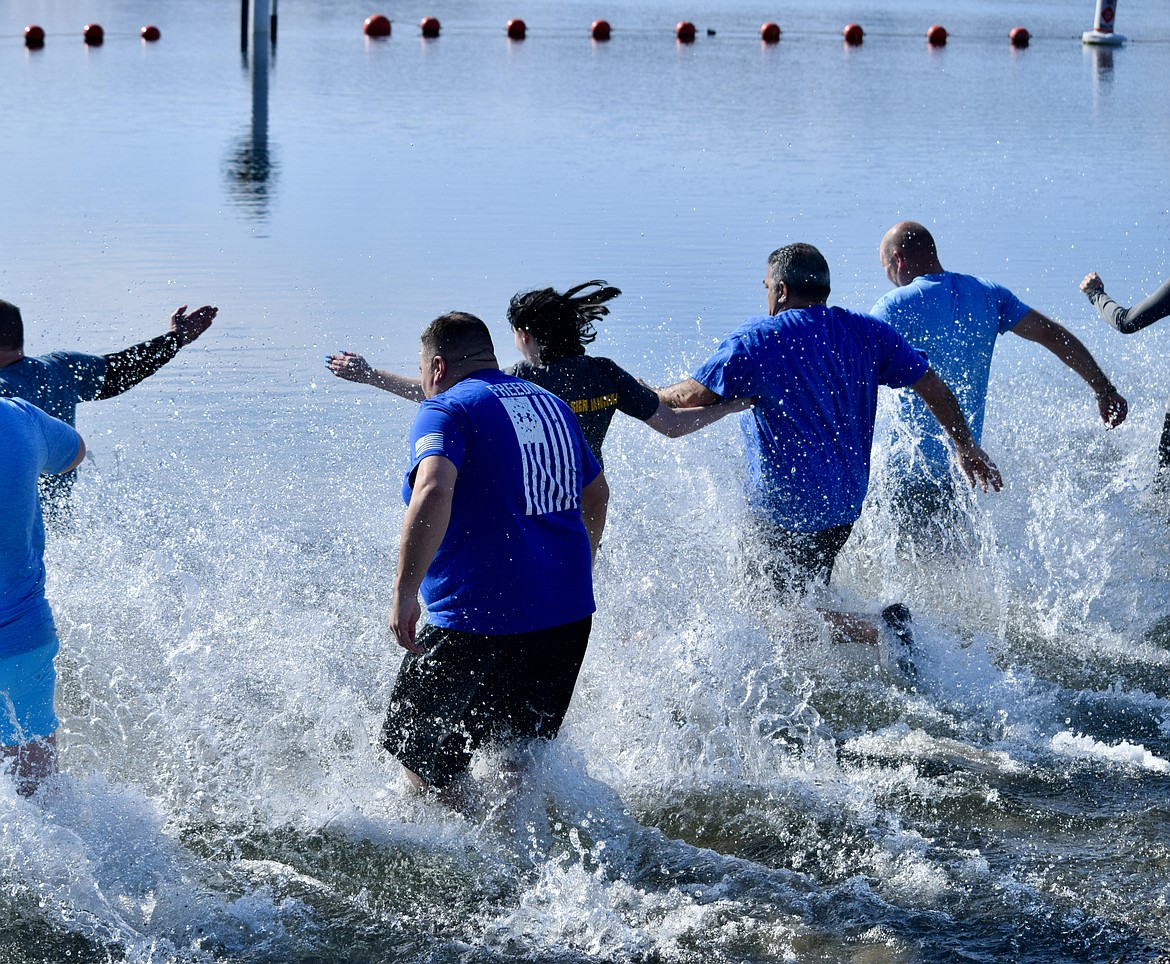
{"x": 907, "y": 251}
{"x": 11, "y": 328}
{"x": 453, "y": 346}
{"x": 798, "y": 276}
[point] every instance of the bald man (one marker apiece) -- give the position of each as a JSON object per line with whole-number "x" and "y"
{"x": 956, "y": 319}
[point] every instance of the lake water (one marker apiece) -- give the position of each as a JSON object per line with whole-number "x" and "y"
{"x": 728, "y": 787}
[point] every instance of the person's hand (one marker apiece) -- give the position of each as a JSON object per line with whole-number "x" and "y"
{"x": 1092, "y": 283}
{"x": 1113, "y": 409}
{"x": 405, "y": 613}
{"x": 979, "y": 469}
{"x": 190, "y": 326}
{"x": 351, "y": 367}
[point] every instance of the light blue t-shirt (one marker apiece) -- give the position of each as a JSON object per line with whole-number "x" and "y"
{"x": 516, "y": 555}
{"x": 31, "y": 442}
{"x": 955, "y": 319}
{"x": 814, "y": 373}
{"x": 56, "y": 382}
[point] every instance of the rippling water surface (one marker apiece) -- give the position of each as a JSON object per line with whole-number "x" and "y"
{"x": 728, "y": 786}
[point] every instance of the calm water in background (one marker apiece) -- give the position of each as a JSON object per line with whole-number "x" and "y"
{"x": 728, "y": 787}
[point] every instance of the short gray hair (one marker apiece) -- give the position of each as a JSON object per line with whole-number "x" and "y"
{"x": 802, "y": 268}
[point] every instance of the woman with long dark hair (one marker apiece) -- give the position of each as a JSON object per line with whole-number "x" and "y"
{"x": 551, "y": 329}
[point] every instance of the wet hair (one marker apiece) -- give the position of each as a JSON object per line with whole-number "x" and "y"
{"x": 457, "y": 336}
{"x": 802, "y": 268}
{"x": 11, "y": 327}
{"x": 562, "y": 324}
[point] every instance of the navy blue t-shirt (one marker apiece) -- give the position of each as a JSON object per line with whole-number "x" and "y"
{"x": 516, "y": 555}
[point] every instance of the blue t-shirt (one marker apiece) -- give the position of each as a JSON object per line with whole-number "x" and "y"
{"x": 516, "y": 555}
{"x": 955, "y": 319}
{"x": 56, "y": 382}
{"x": 814, "y": 373}
{"x": 31, "y": 442}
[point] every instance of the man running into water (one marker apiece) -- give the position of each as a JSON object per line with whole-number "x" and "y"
{"x": 56, "y": 382}
{"x": 505, "y": 510}
{"x": 1129, "y": 320}
{"x": 956, "y": 319}
{"x": 31, "y": 443}
{"x": 814, "y": 372}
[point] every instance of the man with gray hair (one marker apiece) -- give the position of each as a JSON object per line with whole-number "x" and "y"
{"x": 814, "y": 373}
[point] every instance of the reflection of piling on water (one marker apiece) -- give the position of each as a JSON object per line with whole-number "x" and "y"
{"x": 250, "y": 166}
{"x": 1103, "y": 61}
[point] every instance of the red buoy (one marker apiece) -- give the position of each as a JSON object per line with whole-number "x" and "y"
{"x": 599, "y": 30}
{"x": 377, "y": 25}
{"x": 936, "y": 36}
{"x": 34, "y": 37}
{"x": 1020, "y": 37}
{"x": 93, "y": 34}
{"x": 853, "y": 34}
{"x": 516, "y": 29}
{"x": 150, "y": 32}
{"x": 685, "y": 32}
{"x": 770, "y": 33}
{"x": 429, "y": 26}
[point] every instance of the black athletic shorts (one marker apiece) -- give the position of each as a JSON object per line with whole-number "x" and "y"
{"x": 795, "y": 560}
{"x": 469, "y": 690}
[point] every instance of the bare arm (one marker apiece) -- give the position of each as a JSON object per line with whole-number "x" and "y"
{"x": 423, "y": 528}
{"x": 943, "y": 405}
{"x": 354, "y": 368}
{"x": 594, "y": 505}
{"x": 676, "y": 422}
{"x": 688, "y": 394}
{"x": 1068, "y": 348}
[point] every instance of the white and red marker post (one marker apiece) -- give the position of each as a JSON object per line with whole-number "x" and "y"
{"x": 1102, "y": 33}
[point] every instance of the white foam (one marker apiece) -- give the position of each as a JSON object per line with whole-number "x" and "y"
{"x": 1123, "y": 753}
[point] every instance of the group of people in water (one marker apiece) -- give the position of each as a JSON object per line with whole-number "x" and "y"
{"x": 506, "y": 495}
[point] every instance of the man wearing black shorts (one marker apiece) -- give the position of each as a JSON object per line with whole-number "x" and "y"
{"x": 503, "y": 560}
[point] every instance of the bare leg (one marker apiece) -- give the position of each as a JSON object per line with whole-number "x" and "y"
{"x": 453, "y": 796}
{"x": 851, "y": 627}
{"x": 899, "y": 655}
{"x": 30, "y": 763}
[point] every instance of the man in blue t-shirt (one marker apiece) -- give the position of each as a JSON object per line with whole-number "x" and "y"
{"x": 56, "y": 382}
{"x": 505, "y": 510}
{"x": 814, "y": 373}
{"x": 956, "y": 319}
{"x": 31, "y": 442}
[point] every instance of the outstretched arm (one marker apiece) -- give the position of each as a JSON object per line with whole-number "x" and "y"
{"x": 688, "y": 394}
{"x": 676, "y": 422}
{"x": 1068, "y": 348}
{"x": 126, "y": 368}
{"x": 423, "y": 528}
{"x": 354, "y": 368}
{"x": 1127, "y": 320}
{"x": 943, "y": 405}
